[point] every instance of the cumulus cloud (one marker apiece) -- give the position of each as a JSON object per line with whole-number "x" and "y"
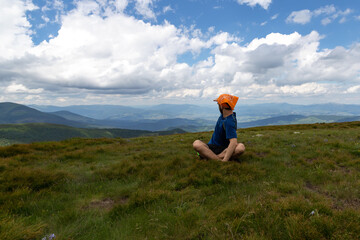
{"x": 118, "y": 54}
{"x": 14, "y": 28}
{"x": 263, "y": 3}
{"x": 281, "y": 65}
{"x": 96, "y": 59}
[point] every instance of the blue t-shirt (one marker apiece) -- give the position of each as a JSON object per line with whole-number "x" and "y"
{"x": 221, "y": 136}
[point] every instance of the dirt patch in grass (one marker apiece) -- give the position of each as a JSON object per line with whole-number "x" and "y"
{"x": 261, "y": 154}
{"x": 311, "y": 187}
{"x": 344, "y": 169}
{"x": 106, "y": 203}
{"x": 311, "y": 160}
{"x": 337, "y": 204}
{"x": 346, "y": 204}
{"x": 352, "y": 203}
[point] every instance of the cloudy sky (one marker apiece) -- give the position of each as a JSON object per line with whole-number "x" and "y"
{"x": 128, "y": 52}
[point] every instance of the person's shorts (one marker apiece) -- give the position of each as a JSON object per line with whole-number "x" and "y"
{"x": 216, "y": 149}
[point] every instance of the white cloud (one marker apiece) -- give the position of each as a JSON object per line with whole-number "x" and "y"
{"x": 342, "y": 20}
{"x": 46, "y": 19}
{"x": 120, "y": 5}
{"x": 211, "y": 29}
{"x": 330, "y": 12}
{"x": 14, "y": 28}
{"x": 88, "y": 7}
{"x": 58, "y": 4}
{"x": 326, "y": 21}
{"x": 263, "y": 3}
{"x": 353, "y": 89}
{"x": 327, "y": 10}
{"x": 311, "y": 88}
{"x": 284, "y": 65}
{"x": 243, "y": 79}
{"x": 99, "y": 59}
{"x": 184, "y": 93}
{"x": 222, "y": 38}
{"x": 274, "y": 38}
{"x": 144, "y": 7}
{"x": 301, "y": 17}
{"x": 275, "y": 17}
{"x": 167, "y": 9}
{"x": 135, "y": 58}
{"x": 20, "y": 88}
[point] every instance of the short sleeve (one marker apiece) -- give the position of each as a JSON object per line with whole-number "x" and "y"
{"x": 230, "y": 128}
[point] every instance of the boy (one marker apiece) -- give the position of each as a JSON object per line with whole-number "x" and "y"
{"x": 223, "y": 144}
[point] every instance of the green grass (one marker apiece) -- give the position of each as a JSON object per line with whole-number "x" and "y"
{"x": 293, "y": 182}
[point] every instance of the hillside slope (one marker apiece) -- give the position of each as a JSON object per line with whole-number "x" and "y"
{"x": 41, "y": 132}
{"x": 297, "y": 119}
{"x": 293, "y": 182}
{"x": 11, "y": 113}
{"x": 16, "y": 113}
{"x": 73, "y": 117}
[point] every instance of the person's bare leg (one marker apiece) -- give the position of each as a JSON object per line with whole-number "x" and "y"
{"x": 240, "y": 149}
{"x": 204, "y": 150}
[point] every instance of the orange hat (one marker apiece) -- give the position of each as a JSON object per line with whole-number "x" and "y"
{"x": 227, "y": 98}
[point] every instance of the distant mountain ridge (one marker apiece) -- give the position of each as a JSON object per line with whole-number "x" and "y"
{"x": 11, "y": 113}
{"x": 209, "y": 112}
{"x": 42, "y": 132}
{"x": 280, "y": 109}
{"x": 297, "y": 119}
{"x": 140, "y": 124}
{"x": 118, "y": 112}
{"x": 17, "y": 113}
{"x": 163, "y": 117}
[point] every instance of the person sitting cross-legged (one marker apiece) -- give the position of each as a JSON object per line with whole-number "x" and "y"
{"x": 223, "y": 144}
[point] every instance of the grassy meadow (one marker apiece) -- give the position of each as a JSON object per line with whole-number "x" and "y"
{"x": 293, "y": 182}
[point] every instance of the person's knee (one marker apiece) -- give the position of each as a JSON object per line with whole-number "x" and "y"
{"x": 240, "y": 148}
{"x": 197, "y": 144}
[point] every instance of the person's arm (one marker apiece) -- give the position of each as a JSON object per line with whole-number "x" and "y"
{"x": 230, "y": 149}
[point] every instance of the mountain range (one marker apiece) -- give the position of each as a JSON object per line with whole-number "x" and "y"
{"x": 12, "y": 113}
{"x": 190, "y": 118}
{"x": 22, "y": 124}
{"x": 245, "y": 113}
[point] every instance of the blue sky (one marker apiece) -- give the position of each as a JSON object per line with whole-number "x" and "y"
{"x": 248, "y": 22}
{"x": 153, "y": 51}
